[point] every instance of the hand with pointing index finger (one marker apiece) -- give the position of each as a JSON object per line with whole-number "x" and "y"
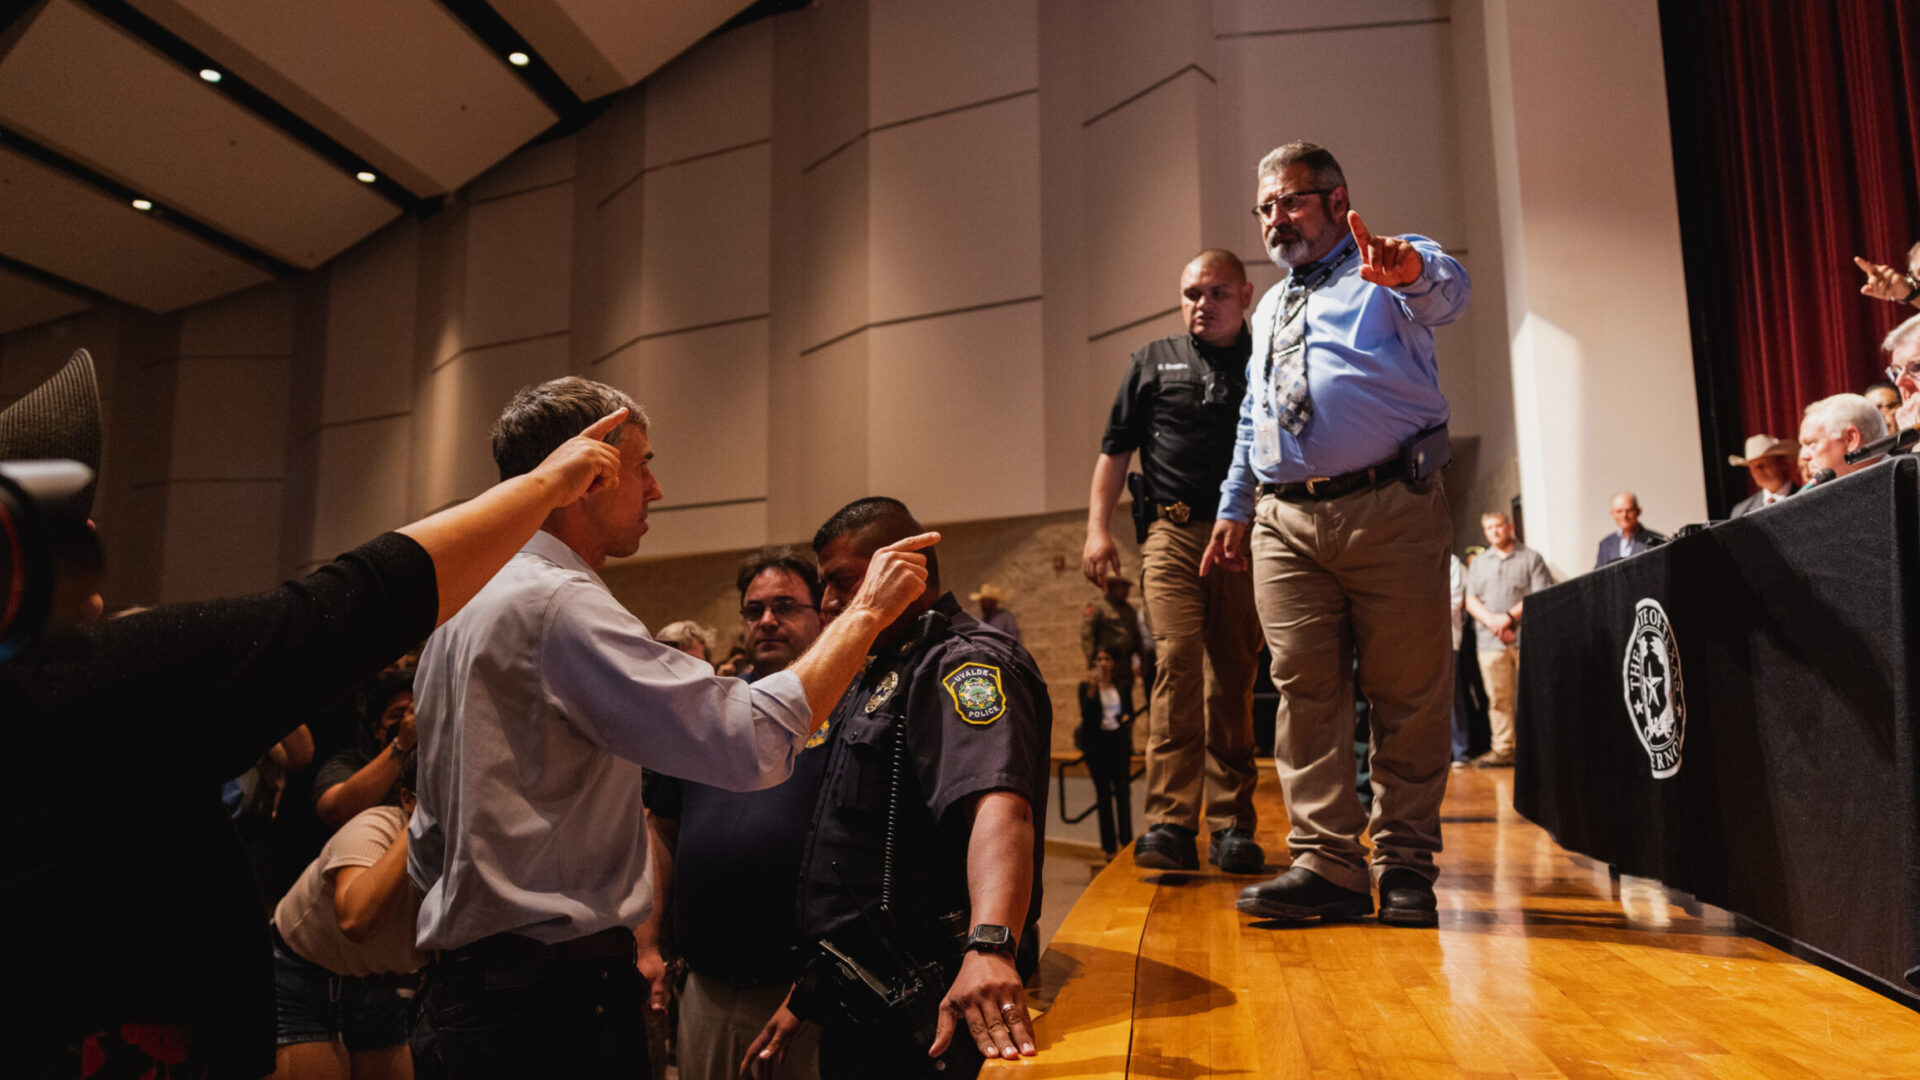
{"x": 896, "y": 576}
{"x": 1384, "y": 260}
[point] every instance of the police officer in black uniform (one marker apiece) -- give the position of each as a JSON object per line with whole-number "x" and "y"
{"x": 1179, "y": 406}
{"x": 943, "y": 742}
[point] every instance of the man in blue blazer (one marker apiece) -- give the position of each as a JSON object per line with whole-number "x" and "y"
{"x": 1629, "y": 538}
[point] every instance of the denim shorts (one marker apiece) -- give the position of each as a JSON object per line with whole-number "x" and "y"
{"x": 315, "y": 1005}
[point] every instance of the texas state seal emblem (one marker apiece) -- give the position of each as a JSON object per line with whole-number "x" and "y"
{"x": 1656, "y": 701}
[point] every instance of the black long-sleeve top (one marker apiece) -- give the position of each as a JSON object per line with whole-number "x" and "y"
{"x": 126, "y": 895}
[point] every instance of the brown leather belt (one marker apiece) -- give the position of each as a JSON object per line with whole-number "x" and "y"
{"x": 1332, "y": 487}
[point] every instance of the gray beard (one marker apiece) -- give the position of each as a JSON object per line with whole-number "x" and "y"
{"x": 1286, "y": 255}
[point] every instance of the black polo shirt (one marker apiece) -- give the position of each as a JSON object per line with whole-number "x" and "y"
{"x": 735, "y": 863}
{"x": 977, "y": 719}
{"x": 1179, "y": 407}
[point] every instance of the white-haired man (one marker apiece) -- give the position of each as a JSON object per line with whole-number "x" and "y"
{"x": 1835, "y": 426}
{"x": 1902, "y": 346}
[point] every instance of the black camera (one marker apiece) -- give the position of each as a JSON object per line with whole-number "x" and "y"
{"x": 49, "y": 556}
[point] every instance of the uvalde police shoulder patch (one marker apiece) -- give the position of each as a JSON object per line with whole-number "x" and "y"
{"x": 977, "y": 693}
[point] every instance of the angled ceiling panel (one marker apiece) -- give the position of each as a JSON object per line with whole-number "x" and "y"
{"x": 400, "y": 82}
{"x": 80, "y": 85}
{"x": 66, "y": 228}
{"x": 599, "y": 46}
{"x": 24, "y": 302}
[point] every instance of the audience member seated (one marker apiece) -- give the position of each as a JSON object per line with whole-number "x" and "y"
{"x": 1902, "y": 346}
{"x": 368, "y": 774}
{"x": 689, "y": 637}
{"x": 1885, "y": 397}
{"x": 729, "y": 860}
{"x": 1630, "y": 538}
{"x": 1769, "y": 462}
{"x": 1834, "y": 426}
{"x": 993, "y": 613}
{"x": 343, "y": 945}
{"x": 1497, "y": 586}
{"x": 1105, "y": 736}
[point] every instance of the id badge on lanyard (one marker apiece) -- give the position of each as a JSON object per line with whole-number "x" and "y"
{"x": 1266, "y": 439}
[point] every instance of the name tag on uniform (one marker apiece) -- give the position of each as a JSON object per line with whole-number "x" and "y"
{"x": 1266, "y": 441}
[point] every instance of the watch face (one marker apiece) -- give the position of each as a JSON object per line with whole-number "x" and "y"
{"x": 988, "y": 936}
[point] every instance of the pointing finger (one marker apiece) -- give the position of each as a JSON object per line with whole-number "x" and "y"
{"x": 599, "y": 428}
{"x": 914, "y": 543}
{"x": 1360, "y": 234}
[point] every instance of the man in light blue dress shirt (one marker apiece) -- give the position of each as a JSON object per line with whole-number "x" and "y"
{"x": 1334, "y": 481}
{"x": 538, "y": 704}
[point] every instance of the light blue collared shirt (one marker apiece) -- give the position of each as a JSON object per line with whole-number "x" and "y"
{"x": 536, "y": 705}
{"x": 1370, "y": 372}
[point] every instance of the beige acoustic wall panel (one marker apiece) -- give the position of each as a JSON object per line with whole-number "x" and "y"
{"x": 827, "y": 394}
{"x": 954, "y": 417}
{"x": 1274, "y": 18}
{"x": 230, "y": 418}
{"x": 955, "y": 211}
{"x": 519, "y": 264}
{"x": 927, "y": 58}
{"x": 361, "y": 488}
{"x": 831, "y": 224}
{"x": 609, "y": 215}
{"x": 458, "y": 405}
{"x": 255, "y": 323}
{"x": 704, "y": 241}
{"x": 64, "y": 227}
{"x": 25, "y": 302}
{"x": 370, "y": 328}
{"x": 717, "y": 96}
{"x": 695, "y": 530}
{"x": 221, "y": 540}
{"x": 705, "y": 393}
{"x": 1143, "y": 208}
{"x": 1131, "y": 47}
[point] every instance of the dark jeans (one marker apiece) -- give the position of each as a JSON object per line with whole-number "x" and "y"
{"x": 1471, "y": 734}
{"x": 520, "y": 1016}
{"x": 865, "y": 1053}
{"x": 1109, "y": 763}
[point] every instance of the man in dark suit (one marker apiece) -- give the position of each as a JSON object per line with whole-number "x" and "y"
{"x": 1770, "y": 462}
{"x": 1629, "y": 539}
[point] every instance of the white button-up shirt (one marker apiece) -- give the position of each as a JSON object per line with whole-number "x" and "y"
{"x": 536, "y": 705}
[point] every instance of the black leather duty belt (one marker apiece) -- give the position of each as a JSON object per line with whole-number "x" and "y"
{"x": 1332, "y": 487}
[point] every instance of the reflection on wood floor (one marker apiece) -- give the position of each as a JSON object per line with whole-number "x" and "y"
{"x": 1542, "y": 967}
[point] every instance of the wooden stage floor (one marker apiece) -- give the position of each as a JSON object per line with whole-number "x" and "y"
{"x": 1542, "y": 966}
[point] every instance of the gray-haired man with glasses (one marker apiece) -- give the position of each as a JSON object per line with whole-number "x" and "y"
{"x": 1902, "y": 346}
{"x": 730, "y": 859}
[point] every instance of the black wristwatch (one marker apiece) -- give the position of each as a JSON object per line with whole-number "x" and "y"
{"x": 987, "y": 937}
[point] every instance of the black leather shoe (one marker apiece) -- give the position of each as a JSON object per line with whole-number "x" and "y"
{"x": 1302, "y": 894}
{"x": 1167, "y": 847}
{"x": 1233, "y": 849}
{"x": 1406, "y": 899}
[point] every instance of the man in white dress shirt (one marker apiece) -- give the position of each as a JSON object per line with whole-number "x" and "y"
{"x": 537, "y": 706}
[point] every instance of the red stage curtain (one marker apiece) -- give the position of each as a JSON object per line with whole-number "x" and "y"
{"x": 1804, "y": 118}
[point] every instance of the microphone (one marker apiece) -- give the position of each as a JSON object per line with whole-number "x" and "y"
{"x": 1821, "y": 476}
{"x": 1896, "y": 443}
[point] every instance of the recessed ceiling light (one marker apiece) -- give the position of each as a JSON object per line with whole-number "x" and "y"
{"x": 209, "y": 74}
{"x": 142, "y": 204}
{"x": 519, "y": 59}
{"x": 365, "y": 177}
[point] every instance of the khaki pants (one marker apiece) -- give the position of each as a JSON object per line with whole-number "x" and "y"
{"x": 1500, "y": 670}
{"x": 1364, "y": 574}
{"x": 1206, "y": 641}
{"x": 718, "y": 1022}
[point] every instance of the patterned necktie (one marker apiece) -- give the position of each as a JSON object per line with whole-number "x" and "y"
{"x": 1287, "y": 357}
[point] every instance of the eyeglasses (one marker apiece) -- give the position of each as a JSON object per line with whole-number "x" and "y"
{"x": 1290, "y": 203}
{"x": 1911, "y": 371}
{"x": 783, "y": 607}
